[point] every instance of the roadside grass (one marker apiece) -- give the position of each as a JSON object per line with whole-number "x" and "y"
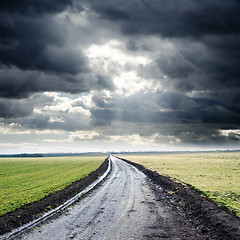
{"x": 26, "y": 180}
{"x": 215, "y": 175}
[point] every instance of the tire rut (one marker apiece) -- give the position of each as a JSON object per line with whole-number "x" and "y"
{"x": 126, "y": 206}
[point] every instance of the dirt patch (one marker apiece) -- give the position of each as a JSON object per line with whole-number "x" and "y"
{"x": 17, "y": 218}
{"x": 209, "y": 219}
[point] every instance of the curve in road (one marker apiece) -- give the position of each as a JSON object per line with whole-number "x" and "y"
{"x": 126, "y": 206}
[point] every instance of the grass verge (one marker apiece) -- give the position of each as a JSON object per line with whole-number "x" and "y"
{"x": 215, "y": 175}
{"x": 27, "y": 180}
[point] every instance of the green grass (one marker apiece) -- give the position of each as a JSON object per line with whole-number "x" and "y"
{"x": 26, "y": 180}
{"x": 215, "y": 175}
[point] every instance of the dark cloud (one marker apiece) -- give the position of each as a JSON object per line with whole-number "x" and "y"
{"x": 38, "y": 43}
{"x": 170, "y": 19}
{"x": 22, "y": 108}
{"x": 205, "y": 75}
{"x": 211, "y": 29}
{"x": 37, "y": 7}
{"x": 14, "y": 109}
{"x": 163, "y": 107}
{"x": 15, "y": 83}
{"x": 187, "y": 91}
{"x": 172, "y": 115}
{"x": 68, "y": 122}
{"x": 175, "y": 66}
{"x": 35, "y": 54}
{"x": 45, "y": 111}
{"x": 114, "y": 14}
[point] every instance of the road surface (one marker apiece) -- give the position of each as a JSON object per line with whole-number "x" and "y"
{"x": 125, "y": 206}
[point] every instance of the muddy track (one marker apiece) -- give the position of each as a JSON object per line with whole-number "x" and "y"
{"x": 126, "y": 206}
{"x": 134, "y": 204}
{"x": 212, "y": 221}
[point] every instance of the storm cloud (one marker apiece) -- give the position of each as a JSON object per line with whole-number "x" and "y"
{"x": 35, "y": 55}
{"x": 154, "y": 73}
{"x": 170, "y": 18}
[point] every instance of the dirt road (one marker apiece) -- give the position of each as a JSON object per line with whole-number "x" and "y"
{"x": 126, "y": 206}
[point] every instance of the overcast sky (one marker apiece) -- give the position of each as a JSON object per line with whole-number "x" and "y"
{"x": 109, "y": 75}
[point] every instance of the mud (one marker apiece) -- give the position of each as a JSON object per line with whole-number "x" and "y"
{"x": 212, "y": 221}
{"x": 125, "y": 206}
{"x": 132, "y": 203}
{"x": 21, "y": 216}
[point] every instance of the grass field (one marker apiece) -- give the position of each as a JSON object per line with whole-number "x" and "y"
{"x": 216, "y": 175}
{"x": 25, "y": 180}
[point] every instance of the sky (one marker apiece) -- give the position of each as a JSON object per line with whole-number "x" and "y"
{"x": 113, "y": 75}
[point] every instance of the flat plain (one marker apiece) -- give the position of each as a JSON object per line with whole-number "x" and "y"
{"x": 26, "y": 180}
{"x": 215, "y": 175}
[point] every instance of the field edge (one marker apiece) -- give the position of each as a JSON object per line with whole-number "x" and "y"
{"x": 203, "y": 212}
{"x": 23, "y": 215}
